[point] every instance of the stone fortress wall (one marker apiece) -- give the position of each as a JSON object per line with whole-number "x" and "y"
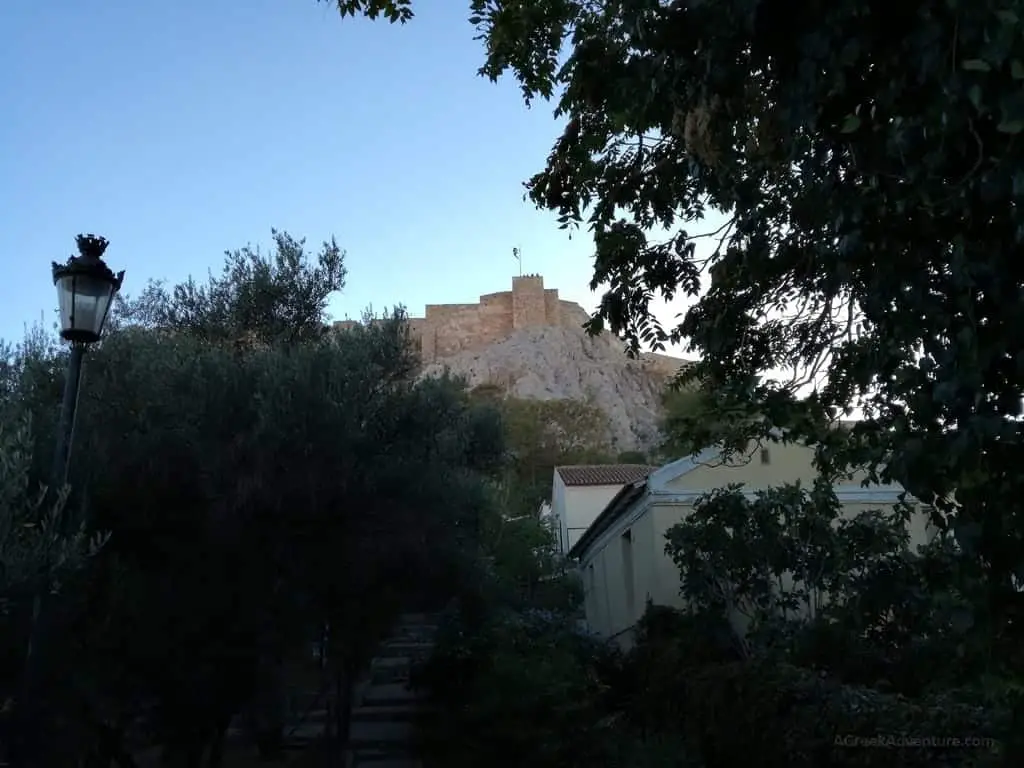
{"x": 447, "y": 329}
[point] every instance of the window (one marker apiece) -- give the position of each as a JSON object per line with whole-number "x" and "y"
{"x": 627, "y": 574}
{"x": 766, "y": 457}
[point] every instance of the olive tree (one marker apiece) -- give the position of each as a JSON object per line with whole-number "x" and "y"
{"x": 261, "y": 477}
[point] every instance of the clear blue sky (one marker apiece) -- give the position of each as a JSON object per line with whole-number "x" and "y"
{"x": 179, "y": 130}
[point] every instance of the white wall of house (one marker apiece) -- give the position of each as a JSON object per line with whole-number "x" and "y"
{"x": 625, "y": 565}
{"x": 576, "y": 507}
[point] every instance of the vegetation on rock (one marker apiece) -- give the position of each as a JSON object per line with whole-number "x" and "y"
{"x": 544, "y": 434}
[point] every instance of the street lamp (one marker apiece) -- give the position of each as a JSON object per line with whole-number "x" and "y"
{"x": 86, "y": 287}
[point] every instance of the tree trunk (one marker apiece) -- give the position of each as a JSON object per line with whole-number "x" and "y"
{"x": 270, "y": 709}
{"x": 111, "y": 747}
{"x": 194, "y": 754}
{"x": 217, "y": 744}
{"x": 186, "y": 748}
{"x": 27, "y": 742}
{"x": 344, "y": 682}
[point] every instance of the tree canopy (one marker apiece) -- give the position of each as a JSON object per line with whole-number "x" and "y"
{"x": 263, "y": 480}
{"x": 259, "y": 296}
{"x": 541, "y": 435}
{"x": 865, "y": 161}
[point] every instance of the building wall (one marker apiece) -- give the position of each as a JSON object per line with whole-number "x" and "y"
{"x": 763, "y": 466}
{"x": 583, "y": 503}
{"x": 613, "y": 609}
{"x": 608, "y": 580}
{"x": 558, "y": 511}
{"x": 575, "y": 508}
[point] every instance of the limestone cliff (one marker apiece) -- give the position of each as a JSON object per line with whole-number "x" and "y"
{"x": 562, "y": 361}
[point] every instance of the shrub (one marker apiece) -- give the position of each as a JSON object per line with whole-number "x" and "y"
{"x": 794, "y": 717}
{"x": 523, "y": 689}
{"x": 670, "y": 647}
{"x": 653, "y": 751}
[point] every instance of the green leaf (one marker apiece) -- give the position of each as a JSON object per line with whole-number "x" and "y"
{"x": 976, "y": 65}
{"x": 850, "y": 124}
{"x": 1018, "y": 190}
{"x": 1017, "y": 69}
{"x": 974, "y": 94}
{"x": 1011, "y": 113}
{"x": 1008, "y": 17}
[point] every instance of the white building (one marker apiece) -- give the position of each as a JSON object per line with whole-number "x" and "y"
{"x": 580, "y": 493}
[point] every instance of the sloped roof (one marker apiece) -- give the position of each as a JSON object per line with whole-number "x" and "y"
{"x": 683, "y": 466}
{"x": 604, "y": 474}
{"x": 655, "y": 483}
{"x": 615, "y": 508}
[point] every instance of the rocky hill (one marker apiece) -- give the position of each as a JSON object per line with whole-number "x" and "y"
{"x": 562, "y": 361}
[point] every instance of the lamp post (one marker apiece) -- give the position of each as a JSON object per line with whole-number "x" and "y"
{"x": 85, "y": 290}
{"x": 86, "y": 287}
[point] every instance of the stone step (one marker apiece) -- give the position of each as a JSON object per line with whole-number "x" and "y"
{"x": 386, "y": 702}
{"x": 300, "y": 702}
{"x": 314, "y": 721}
{"x": 389, "y": 661}
{"x": 376, "y": 755}
{"x": 373, "y": 732}
{"x": 405, "y": 650}
{"x": 407, "y": 711}
{"x": 313, "y": 716}
{"x": 365, "y": 720}
{"x": 390, "y": 695}
{"x": 425, "y": 642}
{"x": 307, "y": 730}
{"x": 390, "y": 676}
{"x": 417, "y": 618}
{"x": 411, "y": 642}
{"x": 420, "y": 632}
{"x": 384, "y": 759}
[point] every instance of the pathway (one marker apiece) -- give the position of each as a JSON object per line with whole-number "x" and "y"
{"x": 384, "y": 710}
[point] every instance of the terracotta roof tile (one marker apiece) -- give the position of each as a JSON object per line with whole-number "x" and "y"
{"x": 604, "y": 474}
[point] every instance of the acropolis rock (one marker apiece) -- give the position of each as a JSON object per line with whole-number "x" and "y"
{"x": 531, "y": 344}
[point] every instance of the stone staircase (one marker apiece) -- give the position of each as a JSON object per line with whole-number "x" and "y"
{"x": 384, "y": 708}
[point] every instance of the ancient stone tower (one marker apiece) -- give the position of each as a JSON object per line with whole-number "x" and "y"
{"x": 529, "y": 309}
{"x": 447, "y": 329}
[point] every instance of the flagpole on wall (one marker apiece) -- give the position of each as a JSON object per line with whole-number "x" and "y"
{"x": 517, "y": 254}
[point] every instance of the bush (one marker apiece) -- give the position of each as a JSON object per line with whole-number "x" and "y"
{"x": 795, "y": 717}
{"x": 683, "y": 683}
{"x": 670, "y": 647}
{"x": 523, "y": 685}
{"x": 654, "y": 751}
{"x": 529, "y": 688}
{"x": 869, "y": 644}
